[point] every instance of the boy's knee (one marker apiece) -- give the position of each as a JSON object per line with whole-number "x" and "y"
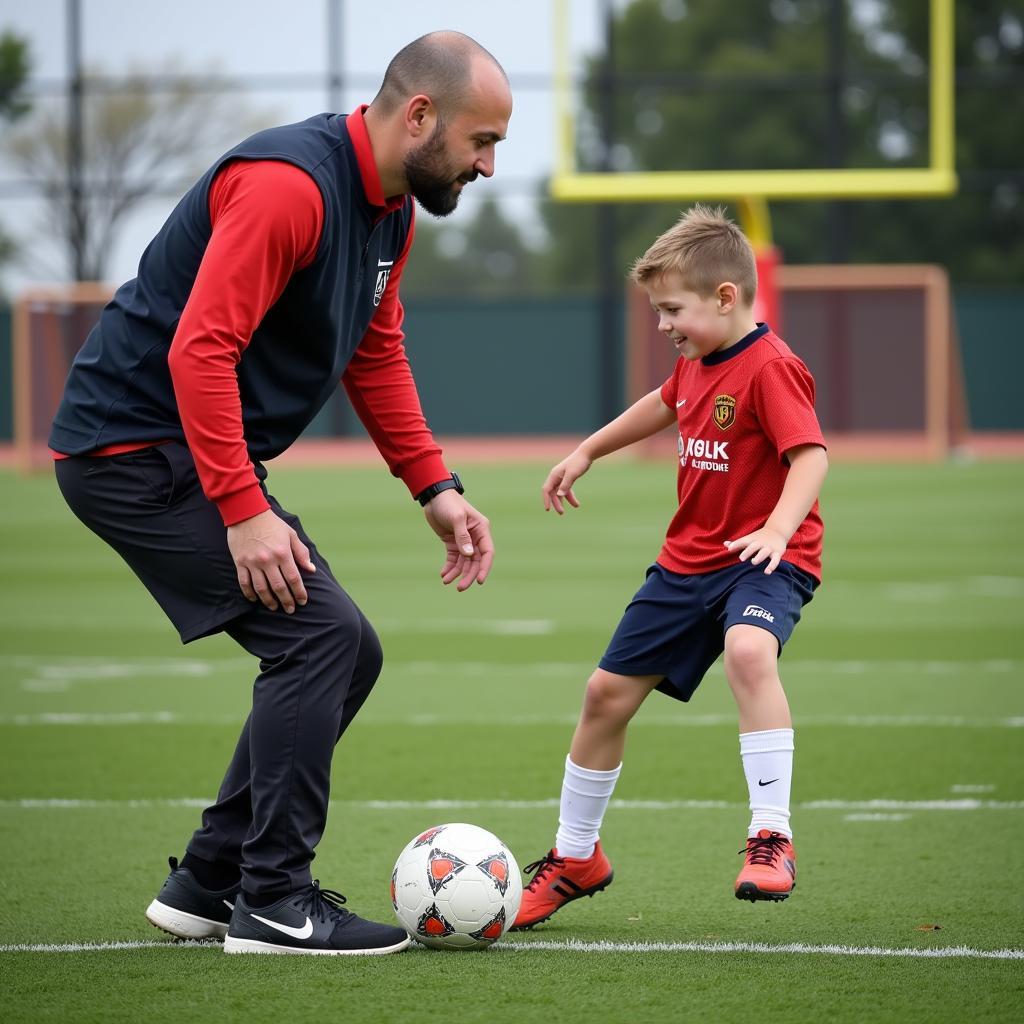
{"x": 606, "y": 697}
{"x": 750, "y": 654}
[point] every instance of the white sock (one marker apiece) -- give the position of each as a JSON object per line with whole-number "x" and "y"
{"x": 585, "y": 796}
{"x": 768, "y": 765}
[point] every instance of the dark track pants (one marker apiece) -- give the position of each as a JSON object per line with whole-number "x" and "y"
{"x": 317, "y": 666}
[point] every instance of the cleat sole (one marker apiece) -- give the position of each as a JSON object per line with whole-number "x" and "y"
{"x": 749, "y": 891}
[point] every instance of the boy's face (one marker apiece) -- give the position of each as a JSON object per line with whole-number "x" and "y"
{"x": 696, "y": 326}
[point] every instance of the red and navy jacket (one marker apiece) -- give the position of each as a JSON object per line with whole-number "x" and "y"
{"x": 233, "y": 347}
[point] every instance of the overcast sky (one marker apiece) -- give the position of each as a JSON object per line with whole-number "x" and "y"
{"x": 263, "y": 37}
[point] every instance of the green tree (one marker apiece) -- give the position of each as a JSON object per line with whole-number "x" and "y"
{"x": 15, "y": 65}
{"x": 979, "y": 233}
{"x": 484, "y": 255}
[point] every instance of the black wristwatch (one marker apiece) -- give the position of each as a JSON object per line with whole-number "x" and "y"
{"x": 453, "y": 482}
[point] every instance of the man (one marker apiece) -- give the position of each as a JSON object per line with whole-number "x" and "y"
{"x": 276, "y": 275}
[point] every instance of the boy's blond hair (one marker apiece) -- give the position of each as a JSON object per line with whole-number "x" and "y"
{"x": 705, "y": 249}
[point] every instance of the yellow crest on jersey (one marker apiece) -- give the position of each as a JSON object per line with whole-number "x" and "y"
{"x": 725, "y": 411}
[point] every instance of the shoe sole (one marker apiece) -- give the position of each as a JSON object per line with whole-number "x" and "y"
{"x": 182, "y": 925}
{"x": 749, "y": 891}
{"x": 576, "y": 896}
{"x": 233, "y": 945}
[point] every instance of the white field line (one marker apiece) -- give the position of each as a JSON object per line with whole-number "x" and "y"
{"x": 49, "y": 674}
{"x": 91, "y": 667}
{"x": 579, "y": 946}
{"x": 680, "y": 721}
{"x": 847, "y": 806}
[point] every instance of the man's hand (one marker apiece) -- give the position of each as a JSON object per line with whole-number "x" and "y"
{"x": 759, "y": 545}
{"x": 559, "y": 483}
{"x": 268, "y": 555}
{"x": 469, "y": 549}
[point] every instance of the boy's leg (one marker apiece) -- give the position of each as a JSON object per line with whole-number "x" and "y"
{"x": 766, "y": 732}
{"x": 761, "y": 613}
{"x": 595, "y": 758}
{"x": 576, "y": 866}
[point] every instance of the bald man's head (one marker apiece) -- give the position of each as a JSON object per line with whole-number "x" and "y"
{"x": 440, "y": 65}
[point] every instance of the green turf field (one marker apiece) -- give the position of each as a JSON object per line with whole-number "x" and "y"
{"x": 906, "y": 679}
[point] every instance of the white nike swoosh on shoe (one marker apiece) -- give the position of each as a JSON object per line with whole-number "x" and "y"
{"x": 230, "y": 906}
{"x": 296, "y": 933}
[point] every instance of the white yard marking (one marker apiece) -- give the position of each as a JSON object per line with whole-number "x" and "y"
{"x": 90, "y": 668}
{"x": 47, "y": 674}
{"x": 848, "y": 806}
{"x": 431, "y": 720}
{"x": 761, "y": 947}
{"x": 487, "y": 627}
{"x": 579, "y": 946}
{"x": 876, "y": 817}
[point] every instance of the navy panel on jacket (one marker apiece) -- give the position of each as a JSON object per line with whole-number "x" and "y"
{"x": 119, "y": 389}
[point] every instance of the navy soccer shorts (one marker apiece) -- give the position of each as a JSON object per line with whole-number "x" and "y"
{"x": 675, "y": 625}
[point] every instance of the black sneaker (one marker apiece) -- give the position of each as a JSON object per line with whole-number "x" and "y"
{"x": 310, "y": 920}
{"x": 187, "y": 910}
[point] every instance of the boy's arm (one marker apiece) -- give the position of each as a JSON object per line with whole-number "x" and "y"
{"x": 640, "y": 420}
{"x": 808, "y": 464}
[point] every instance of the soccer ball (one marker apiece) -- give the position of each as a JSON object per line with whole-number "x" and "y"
{"x": 456, "y": 886}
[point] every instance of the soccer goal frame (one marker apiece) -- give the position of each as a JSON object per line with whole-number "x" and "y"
{"x": 50, "y": 324}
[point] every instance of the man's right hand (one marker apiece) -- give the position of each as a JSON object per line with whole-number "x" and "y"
{"x": 268, "y": 556}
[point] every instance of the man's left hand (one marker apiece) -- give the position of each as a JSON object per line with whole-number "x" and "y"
{"x": 469, "y": 549}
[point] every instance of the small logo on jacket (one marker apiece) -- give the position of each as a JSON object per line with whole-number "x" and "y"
{"x": 758, "y": 613}
{"x": 383, "y": 273}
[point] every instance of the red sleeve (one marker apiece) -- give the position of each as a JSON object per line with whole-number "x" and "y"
{"x": 267, "y": 217}
{"x": 784, "y": 399}
{"x": 381, "y": 388}
{"x": 670, "y": 388}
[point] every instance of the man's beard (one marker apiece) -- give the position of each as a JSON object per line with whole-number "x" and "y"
{"x": 430, "y": 177}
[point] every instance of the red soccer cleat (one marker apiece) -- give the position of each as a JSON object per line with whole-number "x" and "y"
{"x": 560, "y": 880}
{"x": 769, "y": 872}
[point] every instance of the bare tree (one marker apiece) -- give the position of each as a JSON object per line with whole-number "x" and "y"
{"x": 144, "y": 135}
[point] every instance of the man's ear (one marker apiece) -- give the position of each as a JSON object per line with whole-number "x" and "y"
{"x": 420, "y": 115}
{"x": 728, "y": 295}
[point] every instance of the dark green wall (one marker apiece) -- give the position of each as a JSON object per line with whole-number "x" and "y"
{"x": 531, "y": 366}
{"x": 502, "y": 366}
{"x": 991, "y": 327}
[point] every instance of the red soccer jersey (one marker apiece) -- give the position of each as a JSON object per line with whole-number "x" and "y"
{"x": 739, "y": 411}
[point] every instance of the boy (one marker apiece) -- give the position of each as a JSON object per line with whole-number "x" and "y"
{"x": 741, "y": 557}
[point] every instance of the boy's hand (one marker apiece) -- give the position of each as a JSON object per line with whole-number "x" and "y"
{"x": 560, "y": 480}
{"x": 759, "y": 545}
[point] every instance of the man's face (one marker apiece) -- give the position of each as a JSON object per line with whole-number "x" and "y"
{"x": 462, "y": 148}
{"x": 434, "y": 180}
